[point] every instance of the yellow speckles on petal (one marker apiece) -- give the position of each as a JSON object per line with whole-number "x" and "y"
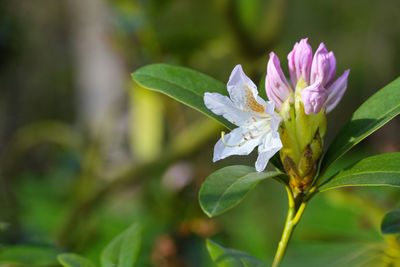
{"x": 252, "y": 103}
{"x": 251, "y": 135}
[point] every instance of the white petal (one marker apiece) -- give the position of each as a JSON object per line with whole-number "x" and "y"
{"x": 276, "y": 119}
{"x": 271, "y": 144}
{"x": 270, "y": 107}
{"x": 237, "y": 82}
{"x": 243, "y": 92}
{"x": 233, "y": 139}
{"x": 222, "y": 105}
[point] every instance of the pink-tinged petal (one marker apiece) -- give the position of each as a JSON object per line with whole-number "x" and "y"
{"x": 272, "y": 94}
{"x": 276, "y": 85}
{"x": 271, "y": 144}
{"x": 292, "y": 65}
{"x": 336, "y": 91}
{"x": 300, "y": 60}
{"x": 323, "y": 67}
{"x": 235, "y": 144}
{"x": 314, "y": 97}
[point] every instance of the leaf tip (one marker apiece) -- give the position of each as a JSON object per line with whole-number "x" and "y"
{"x": 208, "y": 213}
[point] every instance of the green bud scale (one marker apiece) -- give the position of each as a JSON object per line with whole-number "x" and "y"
{"x": 302, "y": 138}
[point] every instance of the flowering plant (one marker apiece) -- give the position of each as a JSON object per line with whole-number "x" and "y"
{"x": 293, "y": 122}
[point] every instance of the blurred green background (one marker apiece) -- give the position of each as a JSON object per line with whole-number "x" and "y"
{"x": 85, "y": 152}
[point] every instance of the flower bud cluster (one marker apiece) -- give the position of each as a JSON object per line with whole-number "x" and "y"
{"x": 303, "y": 104}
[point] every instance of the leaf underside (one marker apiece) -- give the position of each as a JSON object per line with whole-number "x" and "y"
{"x": 225, "y": 257}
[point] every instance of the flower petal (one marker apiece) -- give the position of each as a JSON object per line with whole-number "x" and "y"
{"x": 243, "y": 92}
{"x": 270, "y": 107}
{"x": 300, "y": 59}
{"x": 336, "y": 91}
{"x": 323, "y": 67}
{"x": 222, "y": 105}
{"x": 275, "y": 121}
{"x": 276, "y": 85}
{"x": 314, "y": 97}
{"x": 237, "y": 145}
{"x": 271, "y": 144}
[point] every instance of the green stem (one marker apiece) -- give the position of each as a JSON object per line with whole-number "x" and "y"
{"x": 295, "y": 212}
{"x": 286, "y": 235}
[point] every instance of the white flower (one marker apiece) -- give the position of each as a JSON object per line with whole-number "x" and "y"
{"x": 258, "y": 122}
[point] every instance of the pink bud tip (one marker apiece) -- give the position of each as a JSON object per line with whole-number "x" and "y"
{"x": 314, "y": 97}
{"x": 276, "y": 85}
{"x": 323, "y": 67}
{"x": 300, "y": 59}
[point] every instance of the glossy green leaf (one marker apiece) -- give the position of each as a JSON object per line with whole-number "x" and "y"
{"x": 74, "y": 260}
{"x": 123, "y": 250}
{"x": 391, "y": 223}
{"x": 227, "y": 187}
{"x": 380, "y": 170}
{"x": 182, "y": 84}
{"x": 225, "y": 257}
{"x": 369, "y": 117}
{"x": 30, "y": 255}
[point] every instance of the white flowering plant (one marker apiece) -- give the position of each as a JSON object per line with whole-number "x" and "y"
{"x": 292, "y": 122}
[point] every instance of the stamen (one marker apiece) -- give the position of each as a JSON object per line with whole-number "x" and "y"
{"x": 251, "y": 102}
{"x": 238, "y": 145}
{"x": 223, "y": 140}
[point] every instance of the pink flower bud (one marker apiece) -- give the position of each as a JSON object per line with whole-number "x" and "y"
{"x": 276, "y": 85}
{"x": 314, "y": 97}
{"x": 300, "y": 59}
{"x": 323, "y": 67}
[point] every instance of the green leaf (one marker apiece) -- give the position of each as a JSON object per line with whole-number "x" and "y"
{"x": 30, "y": 255}
{"x": 182, "y": 84}
{"x": 369, "y": 117}
{"x": 123, "y": 250}
{"x": 391, "y": 223}
{"x": 225, "y": 257}
{"x": 74, "y": 260}
{"x": 227, "y": 187}
{"x": 380, "y": 170}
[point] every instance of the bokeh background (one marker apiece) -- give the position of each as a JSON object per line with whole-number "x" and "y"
{"x": 85, "y": 152}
